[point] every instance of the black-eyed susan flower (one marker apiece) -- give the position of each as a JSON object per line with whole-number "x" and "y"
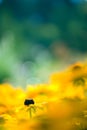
{"x": 59, "y": 104}
{"x": 72, "y": 81}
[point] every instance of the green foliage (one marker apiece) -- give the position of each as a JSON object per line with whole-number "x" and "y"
{"x": 37, "y": 36}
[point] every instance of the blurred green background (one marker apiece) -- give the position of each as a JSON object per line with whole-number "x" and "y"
{"x": 38, "y": 37}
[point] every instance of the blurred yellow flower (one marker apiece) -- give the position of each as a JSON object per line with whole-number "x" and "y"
{"x": 59, "y": 104}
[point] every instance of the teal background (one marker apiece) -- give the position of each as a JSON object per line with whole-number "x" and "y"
{"x": 39, "y": 37}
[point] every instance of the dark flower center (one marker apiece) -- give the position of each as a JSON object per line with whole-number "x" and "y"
{"x": 27, "y": 102}
{"x": 79, "y": 81}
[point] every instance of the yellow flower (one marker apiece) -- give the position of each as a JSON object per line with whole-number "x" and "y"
{"x": 72, "y": 81}
{"x": 59, "y": 104}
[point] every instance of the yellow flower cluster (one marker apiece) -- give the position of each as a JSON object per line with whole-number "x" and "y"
{"x": 61, "y": 104}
